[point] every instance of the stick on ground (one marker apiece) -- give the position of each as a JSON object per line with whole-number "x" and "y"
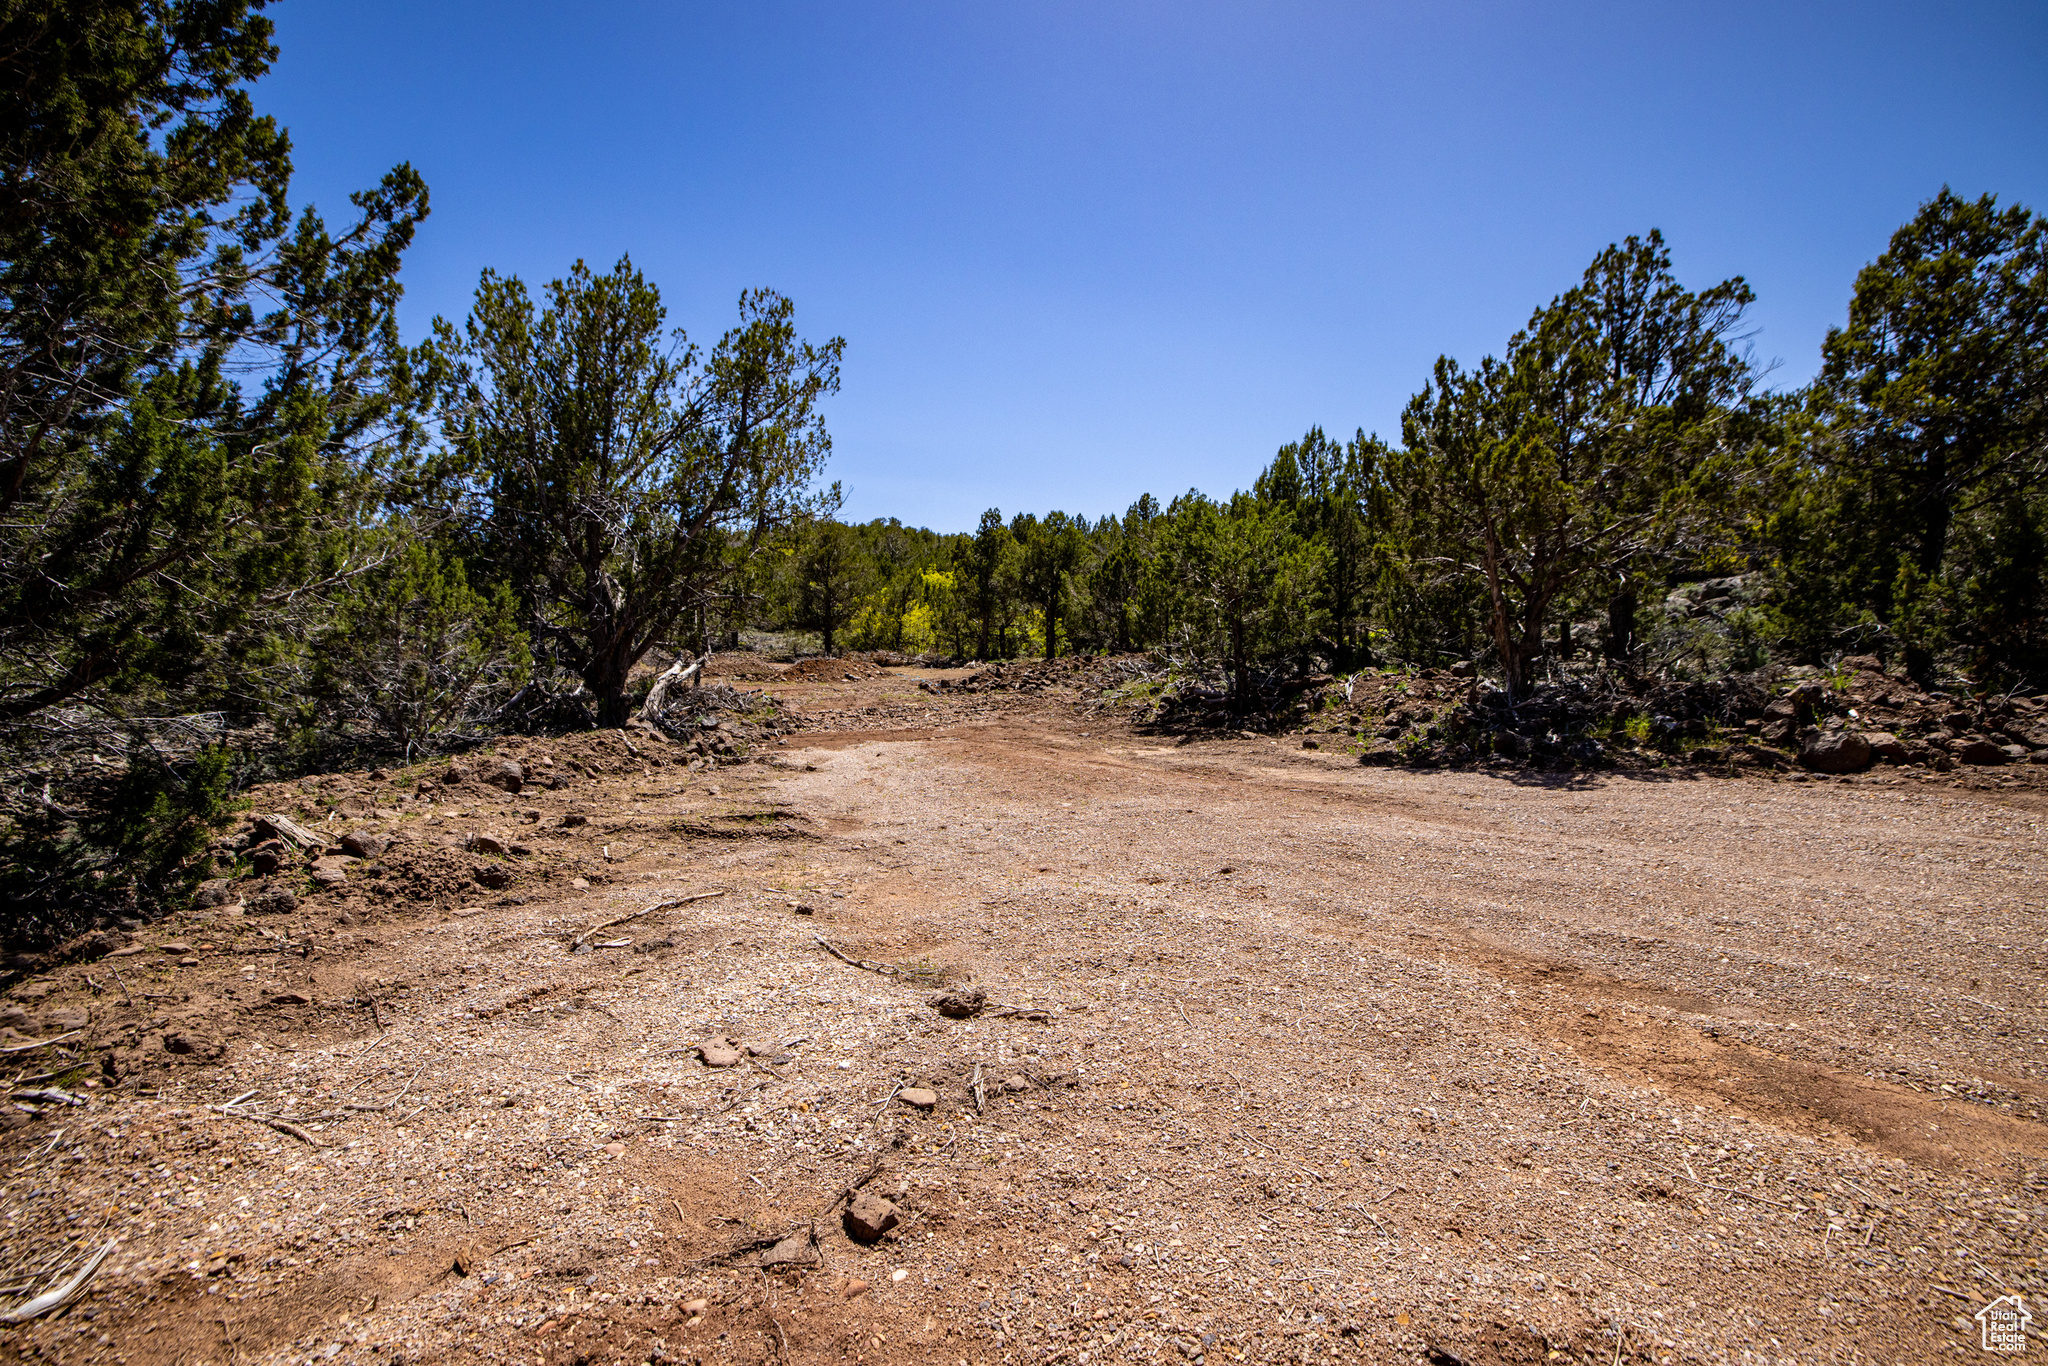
{"x": 650, "y": 910}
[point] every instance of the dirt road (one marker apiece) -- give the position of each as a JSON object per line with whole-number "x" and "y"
{"x": 1284, "y": 1059}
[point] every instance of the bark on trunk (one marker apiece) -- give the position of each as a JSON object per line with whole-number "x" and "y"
{"x": 1621, "y": 625}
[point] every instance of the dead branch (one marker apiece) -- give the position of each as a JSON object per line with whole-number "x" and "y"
{"x": 657, "y": 906}
{"x": 63, "y": 1294}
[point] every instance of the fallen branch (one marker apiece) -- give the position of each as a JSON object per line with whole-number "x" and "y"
{"x": 283, "y": 1126}
{"x": 34, "y": 1044}
{"x": 657, "y": 906}
{"x": 657, "y": 696}
{"x": 886, "y": 969}
{"x": 63, "y": 1294}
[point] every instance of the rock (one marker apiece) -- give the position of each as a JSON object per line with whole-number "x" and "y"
{"x": 1885, "y": 747}
{"x": 190, "y": 1045}
{"x": 290, "y": 998}
{"x": 2016, "y": 754}
{"x": 615, "y": 1149}
{"x": 267, "y": 858}
{"x": 502, "y": 773}
{"x": 1015, "y": 1083}
{"x": 175, "y": 947}
{"x": 331, "y": 870}
{"x": 1311, "y": 744}
{"x": 1977, "y": 750}
{"x": 212, "y": 892}
{"x": 919, "y": 1096}
{"x": 718, "y": 1053}
{"x": 795, "y": 1250}
{"x": 869, "y": 1217}
{"x": 482, "y": 842}
{"x": 1842, "y": 752}
{"x": 855, "y": 1288}
{"x": 581, "y": 884}
{"x": 960, "y": 1003}
{"x": 695, "y": 1306}
{"x": 455, "y": 775}
{"x": 492, "y": 875}
{"x": 574, "y": 819}
{"x": 364, "y": 843}
{"x": 276, "y": 901}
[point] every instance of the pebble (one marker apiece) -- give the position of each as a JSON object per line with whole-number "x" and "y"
{"x": 899, "y": 1274}
{"x": 917, "y": 1095}
{"x": 855, "y": 1287}
{"x": 695, "y": 1306}
{"x": 581, "y": 884}
{"x": 615, "y": 1149}
{"x": 718, "y": 1053}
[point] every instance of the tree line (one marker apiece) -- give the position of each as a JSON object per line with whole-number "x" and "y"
{"x": 1541, "y": 505}
{"x": 233, "y": 498}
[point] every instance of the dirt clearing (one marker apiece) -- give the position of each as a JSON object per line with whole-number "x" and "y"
{"x": 1280, "y": 1058}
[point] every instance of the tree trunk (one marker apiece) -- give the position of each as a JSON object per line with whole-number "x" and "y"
{"x": 1621, "y": 625}
{"x": 1240, "y": 669}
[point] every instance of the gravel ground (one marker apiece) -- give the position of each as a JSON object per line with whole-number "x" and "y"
{"x": 1284, "y": 1059}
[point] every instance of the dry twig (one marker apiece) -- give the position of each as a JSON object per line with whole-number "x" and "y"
{"x": 61, "y": 1295}
{"x": 650, "y": 910}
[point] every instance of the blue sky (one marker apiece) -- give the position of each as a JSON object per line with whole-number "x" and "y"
{"x": 1084, "y": 251}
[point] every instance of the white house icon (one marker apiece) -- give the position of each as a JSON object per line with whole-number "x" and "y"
{"x": 2004, "y": 1324}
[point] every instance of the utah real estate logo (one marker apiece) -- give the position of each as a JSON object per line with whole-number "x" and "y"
{"x": 2004, "y": 1323}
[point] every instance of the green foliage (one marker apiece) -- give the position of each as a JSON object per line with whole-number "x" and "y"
{"x": 1241, "y": 582}
{"x": 617, "y": 475}
{"x": 414, "y": 653}
{"x": 137, "y": 842}
{"x": 1590, "y": 451}
{"x": 1913, "y": 512}
{"x": 154, "y": 514}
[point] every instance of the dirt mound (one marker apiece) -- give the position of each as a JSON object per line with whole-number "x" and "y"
{"x": 1027, "y": 676}
{"x": 743, "y": 666}
{"x": 832, "y": 669}
{"x": 1841, "y": 720}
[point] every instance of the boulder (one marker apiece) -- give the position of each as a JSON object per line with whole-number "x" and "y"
{"x": 869, "y": 1217}
{"x": 277, "y": 901}
{"x": 502, "y": 773}
{"x": 1841, "y": 752}
{"x": 1977, "y": 750}
{"x": 794, "y": 1251}
{"x": 960, "y": 1003}
{"x": 1886, "y": 748}
{"x": 331, "y": 870}
{"x": 364, "y": 843}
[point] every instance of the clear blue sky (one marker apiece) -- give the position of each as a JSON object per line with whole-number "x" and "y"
{"x": 1084, "y": 251}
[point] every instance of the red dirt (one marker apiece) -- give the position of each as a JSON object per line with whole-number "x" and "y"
{"x": 1334, "y": 1063}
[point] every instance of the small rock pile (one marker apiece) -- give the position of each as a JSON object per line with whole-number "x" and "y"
{"x": 1842, "y": 720}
